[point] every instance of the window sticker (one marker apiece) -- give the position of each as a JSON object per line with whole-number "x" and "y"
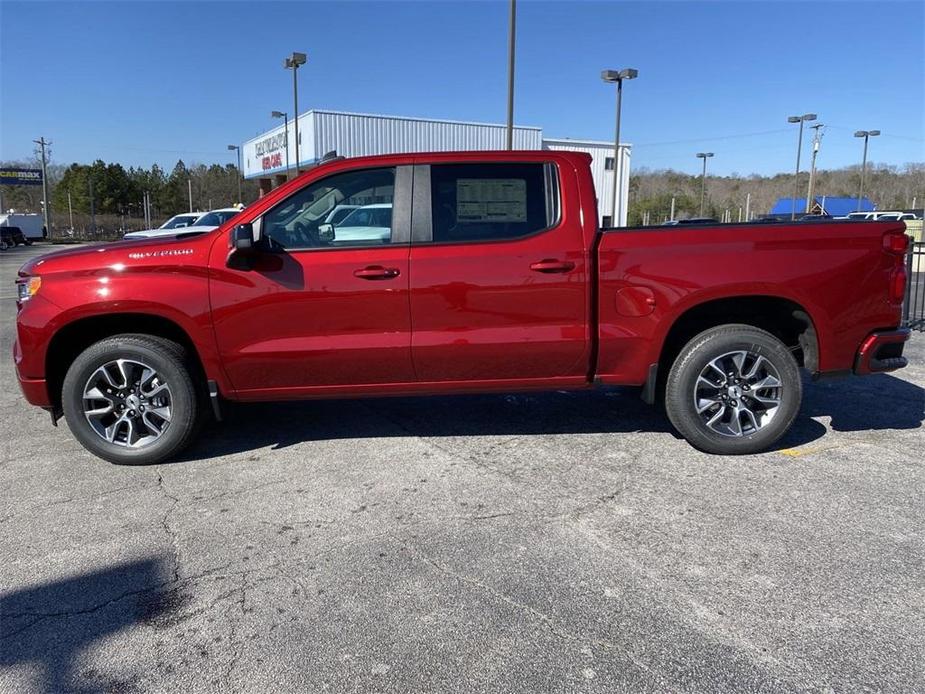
{"x": 491, "y": 200}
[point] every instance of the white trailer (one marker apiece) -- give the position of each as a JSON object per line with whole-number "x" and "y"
{"x": 31, "y": 224}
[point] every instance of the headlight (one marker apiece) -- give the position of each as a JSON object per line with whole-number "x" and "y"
{"x": 28, "y": 288}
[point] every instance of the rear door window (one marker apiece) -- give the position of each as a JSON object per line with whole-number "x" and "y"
{"x": 492, "y": 202}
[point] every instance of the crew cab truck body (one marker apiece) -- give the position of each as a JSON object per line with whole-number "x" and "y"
{"x": 494, "y": 277}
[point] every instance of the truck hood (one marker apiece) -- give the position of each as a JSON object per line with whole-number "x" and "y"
{"x": 166, "y": 233}
{"x": 97, "y": 256}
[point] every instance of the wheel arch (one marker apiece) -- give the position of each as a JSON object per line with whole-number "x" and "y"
{"x": 73, "y": 338}
{"x": 784, "y": 318}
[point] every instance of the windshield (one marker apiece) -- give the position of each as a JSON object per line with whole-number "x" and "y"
{"x": 369, "y": 217}
{"x": 215, "y": 219}
{"x": 181, "y": 220}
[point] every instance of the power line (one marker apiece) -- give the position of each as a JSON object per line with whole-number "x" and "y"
{"x": 882, "y": 134}
{"x": 712, "y": 139}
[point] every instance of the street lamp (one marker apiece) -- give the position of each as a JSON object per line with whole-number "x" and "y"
{"x": 703, "y": 177}
{"x": 285, "y": 117}
{"x": 866, "y": 134}
{"x": 617, "y": 76}
{"x": 796, "y": 177}
{"x": 292, "y": 63}
{"x": 237, "y": 151}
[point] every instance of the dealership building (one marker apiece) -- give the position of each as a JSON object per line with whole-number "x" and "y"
{"x": 270, "y": 155}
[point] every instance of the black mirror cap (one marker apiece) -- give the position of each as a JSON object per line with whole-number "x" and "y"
{"x": 242, "y": 237}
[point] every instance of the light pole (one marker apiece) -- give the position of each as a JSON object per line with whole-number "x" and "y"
{"x": 510, "y": 74}
{"x": 703, "y": 177}
{"x": 292, "y": 63}
{"x": 617, "y": 76}
{"x": 866, "y": 134}
{"x": 796, "y": 177}
{"x": 237, "y": 150}
{"x": 285, "y": 117}
{"x": 817, "y": 140}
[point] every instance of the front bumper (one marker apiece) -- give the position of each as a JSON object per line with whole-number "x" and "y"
{"x": 35, "y": 389}
{"x": 881, "y": 352}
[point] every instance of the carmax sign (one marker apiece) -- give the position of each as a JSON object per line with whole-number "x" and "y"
{"x": 21, "y": 177}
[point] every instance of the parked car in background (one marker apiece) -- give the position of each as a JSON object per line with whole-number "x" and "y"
{"x": 691, "y": 220}
{"x": 369, "y": 223}
{"x": 202, "y": 223}
{"x": 497, "y": 279}
{"x": 186, "y": 219}
{"x": 12, "y": 236}
{"x": 337, "y": 215}
{"x": 894, "y": 216}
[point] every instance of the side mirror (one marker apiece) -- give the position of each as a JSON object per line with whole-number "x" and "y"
{"x": 242, "y": 238}
{"x": 326, "y": 233}
{"x": 241, "y": 256}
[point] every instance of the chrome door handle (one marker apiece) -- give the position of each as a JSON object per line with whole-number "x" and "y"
{"x": 376, "y": 272}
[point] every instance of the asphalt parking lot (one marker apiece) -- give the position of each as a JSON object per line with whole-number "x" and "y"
{"x": 558, "y": 542}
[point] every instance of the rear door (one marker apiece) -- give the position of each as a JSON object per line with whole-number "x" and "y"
{"x": 499, "y": 275}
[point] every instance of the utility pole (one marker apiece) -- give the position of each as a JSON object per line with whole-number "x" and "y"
{"x": 70, "y": 210}
{"x": 817, "y": 141}
{"x": 43, "y": 144}
{"x": 510, "y": 73}
{"x": 92, "y": 205}
{"x": 189, "y": 185}
{"x": 672, "y": 209}
{"x": 748, "y": 207}
{"x": 796, "y": 176}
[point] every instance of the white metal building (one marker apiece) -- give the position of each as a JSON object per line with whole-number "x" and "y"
{"x": 268, "y": 156}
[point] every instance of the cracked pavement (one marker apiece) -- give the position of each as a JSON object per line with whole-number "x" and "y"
{"x": 556, "y": 542}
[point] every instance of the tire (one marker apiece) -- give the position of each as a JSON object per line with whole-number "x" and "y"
{"x": 728, "y": 426}
{"x": 174, "y": 407}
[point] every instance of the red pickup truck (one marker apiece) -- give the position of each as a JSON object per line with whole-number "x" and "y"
{"x": 454, "y": 273}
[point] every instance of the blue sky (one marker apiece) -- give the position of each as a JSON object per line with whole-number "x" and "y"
{"x": 140, "y": 82}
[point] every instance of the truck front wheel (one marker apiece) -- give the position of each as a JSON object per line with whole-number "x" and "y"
{"x": 130, "y": 399}
{"x": 733, "y": 389}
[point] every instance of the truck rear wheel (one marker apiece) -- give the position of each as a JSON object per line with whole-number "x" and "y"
{"x": 130, "y": 399}
{"x": 733, "y": 389}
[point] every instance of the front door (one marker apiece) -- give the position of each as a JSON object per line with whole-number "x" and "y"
{"x": 326, "y": 304}
{"x": 499, "y": 276}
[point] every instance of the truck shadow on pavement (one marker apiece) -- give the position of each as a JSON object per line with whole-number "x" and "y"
{"x": 50, "y": 626}
{"x": 853, "y": 404}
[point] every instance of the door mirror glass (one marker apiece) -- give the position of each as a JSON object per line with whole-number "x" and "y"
{"x": 326, "y": 233}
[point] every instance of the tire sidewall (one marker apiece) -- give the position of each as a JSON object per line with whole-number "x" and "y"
{"x": 694, "y": 358}
{"x": 183, "y": 400}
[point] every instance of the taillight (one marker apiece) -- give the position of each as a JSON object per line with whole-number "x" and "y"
{"x": 895, "y": 242}
{"x": 898, "y": 285}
